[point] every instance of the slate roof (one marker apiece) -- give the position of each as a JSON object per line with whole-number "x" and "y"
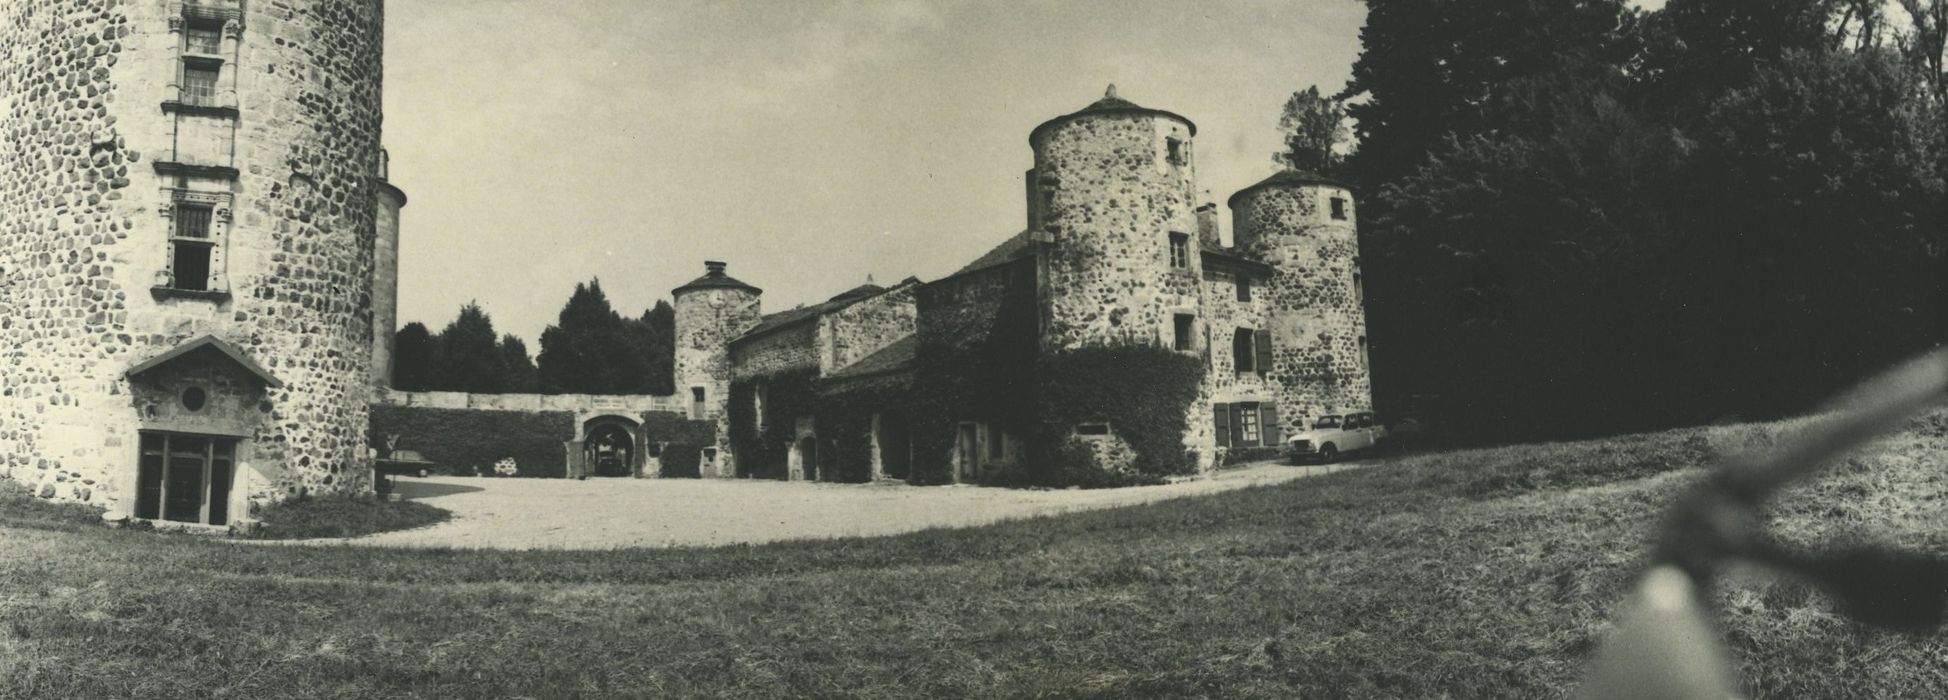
{"x": 715, "y": 278}
{"x": 1017, "y": 246}
{"x": 209, "y": 343}
{"x": 1109, "y": 104}
{"x": 893, "y": 358}
{"x": 1284, "y": 177}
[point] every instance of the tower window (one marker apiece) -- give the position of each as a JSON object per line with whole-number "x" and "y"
{"x": 1180, "y": 251}
{"x": 203, "y": 39}
{"x": 1359, "y": 291}
{"x": 1364, "y": 360}
{"x": 1176, "y": 147}
{"x": 190, "y": 249}
{"x": 1339, "y": 208}
{"x": 199, "y": 85}
{"x": 1243, "y": 354}
{"x": 1183, "y": 328}
{"x": 1244, "y": 288}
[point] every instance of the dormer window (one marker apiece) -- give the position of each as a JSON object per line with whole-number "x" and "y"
{"x": 1339, "y": 208}
{"x": 1179, "y": 251}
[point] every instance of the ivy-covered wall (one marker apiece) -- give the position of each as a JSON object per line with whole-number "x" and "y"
{"x": 845, "y": 422}
{"x": 680, "y": 441}
{"x": 763, "y": 451}
{"x": 976, "y": 361}
{"x": 1143, "y": 395}
{"x": 467, "y": 441}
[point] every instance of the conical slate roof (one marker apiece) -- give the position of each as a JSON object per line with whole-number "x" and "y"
{"x": 1109, "y": 104}
{"x": 1283, "y": 178}
{"x": 714, "y": 278}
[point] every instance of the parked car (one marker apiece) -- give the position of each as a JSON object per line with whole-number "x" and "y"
{"x": 406, "y": 462}
{"x": 1332, "y": 436}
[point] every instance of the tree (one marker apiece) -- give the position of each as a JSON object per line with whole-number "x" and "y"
{"x": 1314, "y": 129}
{"x": 592, "y": 350}
{"x": 518, "y": 372}
{"x": 470, "y": 360}
{"x": 414, "y": 355}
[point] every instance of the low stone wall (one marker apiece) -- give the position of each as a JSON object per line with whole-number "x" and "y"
{"x": 587, "y": 405}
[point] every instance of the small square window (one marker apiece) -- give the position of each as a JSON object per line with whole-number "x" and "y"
{"x": 1339, "y": 208}
{"x": 203, "y": 39}
{"x": 1184, "y": 322}
{"x": 1176, "y": 147}
{"x": 1244, "y": 288}
{"x": 1180, "y": 251}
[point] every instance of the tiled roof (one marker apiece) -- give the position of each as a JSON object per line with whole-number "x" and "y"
{"x": 892, "y": 358}
{"x": 1016, "y": 246}
{"x": 1109, "y": 104}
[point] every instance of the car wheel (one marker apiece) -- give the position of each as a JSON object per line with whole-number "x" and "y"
{"x": 1328, "y": 453}
{"x": 423, "y": 472}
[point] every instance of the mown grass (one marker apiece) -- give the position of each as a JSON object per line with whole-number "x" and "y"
{"x": 342, "y": 517}
{"x": 1476, "y": 573}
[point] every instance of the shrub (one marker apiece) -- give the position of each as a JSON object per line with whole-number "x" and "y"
{"x": 469, "y": 441}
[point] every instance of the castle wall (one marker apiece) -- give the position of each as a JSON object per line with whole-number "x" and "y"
{"x": 850, "y": 334}
{"x": 90, "y": 172}
{"x": 784, "y": 350}
{"x": 1317, "y": 319}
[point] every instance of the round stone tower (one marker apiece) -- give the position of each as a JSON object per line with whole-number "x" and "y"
{"x": 1303, "y": 224}
{"x": 710, "y": 311}
{"x": 1118, "y": 210}
{"x": 186, "y": 251}
{"x": 385, "y": 274}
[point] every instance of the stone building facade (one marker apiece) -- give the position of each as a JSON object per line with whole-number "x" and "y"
{"x": 191, "y": 198}
{"x": 1119, "y": 261}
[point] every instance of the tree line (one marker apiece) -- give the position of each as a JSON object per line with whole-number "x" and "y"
{"x": 591, "y": 349}
{"x": 1580, "y": 217}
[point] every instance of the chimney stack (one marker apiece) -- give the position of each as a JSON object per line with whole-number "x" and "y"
{"x": 713, "y": 268}
{"x": 1207, "y": 225}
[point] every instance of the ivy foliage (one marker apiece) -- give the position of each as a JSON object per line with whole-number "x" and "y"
{"x": 1143, "y": 393}
{"x": 681, "y": 440}
{"x": 762, "y": 451}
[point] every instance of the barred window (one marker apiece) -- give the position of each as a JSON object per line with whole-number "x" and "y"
{"x": 199, "y": 85}
{"x": 192, "y": 221}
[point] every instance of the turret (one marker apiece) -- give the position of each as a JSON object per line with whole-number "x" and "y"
{"x": 1304, "y": 226}
{"x": 385, "y": 274}
{"x": 1117, "y": 203}
{"x": 710, "y": 311}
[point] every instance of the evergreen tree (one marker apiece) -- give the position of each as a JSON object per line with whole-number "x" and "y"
{"x": 414, "y": 355}
{"x": 518, "y": 372}
{"x": 587, "y": 351}
{"x": 469, "y": 358}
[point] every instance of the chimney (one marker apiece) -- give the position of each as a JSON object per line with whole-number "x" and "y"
{"x": 713, "y": 268}
{"x": 1207, "y": 225}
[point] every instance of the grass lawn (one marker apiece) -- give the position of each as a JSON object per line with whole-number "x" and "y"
{"x": 1476, "y": 573}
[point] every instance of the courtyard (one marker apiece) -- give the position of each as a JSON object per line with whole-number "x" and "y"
{"x": 612, "y": 513}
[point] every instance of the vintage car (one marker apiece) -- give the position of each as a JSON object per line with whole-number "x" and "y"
{"x": 403, "y": 462}
{"x": 1332, "y": 436}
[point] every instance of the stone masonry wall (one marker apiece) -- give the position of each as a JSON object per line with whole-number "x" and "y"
{"x": 89, "y": 215}
{"x": 850, "y": 334}
{"x": 706, "y": 320}
{"x": 1317, "y": 320}
{"x": 1223, "y": 315}
{"x": 783, "y": 350}
{"x": 1117, "y": 198}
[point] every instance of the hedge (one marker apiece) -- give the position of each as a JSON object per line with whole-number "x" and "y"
{"x": 686, "y": 439}
{"x": 467, "y": 441}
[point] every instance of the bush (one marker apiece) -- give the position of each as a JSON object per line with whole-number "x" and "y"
{"x": 469, "y": 441}
{"x": 342, "y": 516}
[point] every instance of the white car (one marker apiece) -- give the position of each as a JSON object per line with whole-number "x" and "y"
{"x": 1332, "y": 436}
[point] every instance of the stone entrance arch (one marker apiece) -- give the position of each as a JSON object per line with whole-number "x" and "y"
{"x": 611, "y": 446}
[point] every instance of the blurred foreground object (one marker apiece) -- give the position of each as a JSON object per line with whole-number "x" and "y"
{"x": 1666, "y": 646}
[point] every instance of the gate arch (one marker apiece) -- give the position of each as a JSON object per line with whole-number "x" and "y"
{"x": 612, "y": 446}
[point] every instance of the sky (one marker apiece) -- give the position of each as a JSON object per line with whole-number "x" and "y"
{"x": 808, "y": 144}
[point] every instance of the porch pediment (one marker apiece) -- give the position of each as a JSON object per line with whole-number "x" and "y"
{"x": 207, "y": 346}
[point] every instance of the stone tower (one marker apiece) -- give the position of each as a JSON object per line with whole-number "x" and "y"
{"x": 187, "y": 204}
{"x": 710, "y": 311}
{"x": 385, "y": 274}
{"x": 1118, "y": 212}
{"x": 1304, "y": 226}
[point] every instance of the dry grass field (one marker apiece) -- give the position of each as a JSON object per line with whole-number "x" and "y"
{"x": 1489, "y": 572}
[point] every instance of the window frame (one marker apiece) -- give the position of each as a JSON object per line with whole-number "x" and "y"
{"x": 1183, "y": 332}
{"x": 1337, "y": 205}
{"x": 218, "y": 452}
{"x": 1179, "y": 251}
{"x": 1244, "y": 287}
{"x": 1244, "y": 350}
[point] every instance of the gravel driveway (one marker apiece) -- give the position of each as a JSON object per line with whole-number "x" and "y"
{"x": 609, "y": 513}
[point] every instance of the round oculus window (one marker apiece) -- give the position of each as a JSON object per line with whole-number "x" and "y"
{"x": 194, "y": 398}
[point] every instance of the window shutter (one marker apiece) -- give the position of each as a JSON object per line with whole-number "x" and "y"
{"x": 1268, "y": 423}
{"x": 1262, "y": 342}
{"x": 1223, "y": 414}
{"x": 1237, "y": 427}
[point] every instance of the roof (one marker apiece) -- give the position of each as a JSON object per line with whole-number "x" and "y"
{"x": 1220, "y": 256}
{"x": 803, "y": 314}
{"x": 208, "y": 343}
{"x": 715, "y": 279}
{"x": 895, "y": 357}
{"x": 1109, "y": 104}
{"x": 1017, "y": 246}
{"x": 1286, "y": 178}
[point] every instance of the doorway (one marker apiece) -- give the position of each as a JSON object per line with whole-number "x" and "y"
{"x": 185, "y": 478}
{"x": 966, "y": 451}
{"x": 808, "y": 457}
{"x": 894, "y": 445}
